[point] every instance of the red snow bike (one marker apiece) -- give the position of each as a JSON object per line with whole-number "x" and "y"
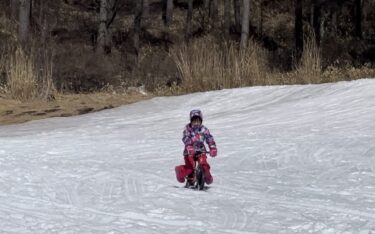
{"x": 196, "y": 179}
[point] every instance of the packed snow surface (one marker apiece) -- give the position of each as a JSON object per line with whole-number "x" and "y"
{"x": 292, "y": 159}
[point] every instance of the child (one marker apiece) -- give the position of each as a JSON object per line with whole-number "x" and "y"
{"x": 194, "y": 136}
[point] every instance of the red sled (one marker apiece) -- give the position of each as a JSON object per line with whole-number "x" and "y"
{"x": 196, "y": 177}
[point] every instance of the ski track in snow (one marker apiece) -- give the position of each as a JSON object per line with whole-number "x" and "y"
{"x": 292, "y": 159}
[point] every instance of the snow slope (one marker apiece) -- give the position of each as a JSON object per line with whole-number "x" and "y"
{"x": 292, "y": 159}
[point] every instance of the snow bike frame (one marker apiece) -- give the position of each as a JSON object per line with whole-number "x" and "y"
{"x": 198, "y": 172}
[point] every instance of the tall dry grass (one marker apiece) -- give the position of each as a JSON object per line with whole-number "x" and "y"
{"x": 308, "y": 69}
{"x": 25, "y": 72}
{"x": 21, "y": 80}
{"x": 29, "y": 75}
{"x": 2, "y": 72}
{"x": 46, "y": 88}
{"x": 206, "y": 65}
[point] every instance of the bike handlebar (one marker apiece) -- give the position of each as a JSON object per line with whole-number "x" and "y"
{"x": 202, "y": 152}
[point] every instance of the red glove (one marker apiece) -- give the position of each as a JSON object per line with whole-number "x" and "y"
{"x": 190, "y": 150}
{"x": 213, "y": 152}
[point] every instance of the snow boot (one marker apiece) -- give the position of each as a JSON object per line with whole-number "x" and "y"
{"x": 207, "y": 174}
{"x": 190, "y": 180}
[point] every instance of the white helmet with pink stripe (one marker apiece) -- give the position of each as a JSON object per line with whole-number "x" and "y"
{"x": 196, "y": 114}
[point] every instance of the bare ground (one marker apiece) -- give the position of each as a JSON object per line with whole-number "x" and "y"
{"x": 13, "y": 112}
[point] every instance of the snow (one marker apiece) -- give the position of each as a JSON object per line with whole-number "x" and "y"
{"x": 292, "y": 159}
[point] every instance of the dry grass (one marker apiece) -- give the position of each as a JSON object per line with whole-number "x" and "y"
{"x": 330, "y": 75}
{"x": 46, "y": 87}
{"x": 24, "y": 75}
{"x": 308, "y": 70}
{"x": 2, "y": 70}
{"x": 172, "y": 90}
{"x": 206, "y": 65}
{"x": 334, "y": 74}
{"x": 22, "y": 79}
{"x": 28, "y": 78}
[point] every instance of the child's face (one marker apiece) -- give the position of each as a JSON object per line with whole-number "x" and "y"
{"x": 196, "y": 122}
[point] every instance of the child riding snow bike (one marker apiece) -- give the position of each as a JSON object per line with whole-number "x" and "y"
{"x": 196, "y": 169}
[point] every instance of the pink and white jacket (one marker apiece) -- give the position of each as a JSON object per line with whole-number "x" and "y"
{"x": 196, "y": 137}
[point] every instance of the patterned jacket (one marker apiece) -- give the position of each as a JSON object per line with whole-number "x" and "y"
{"x": 196, "y": 137}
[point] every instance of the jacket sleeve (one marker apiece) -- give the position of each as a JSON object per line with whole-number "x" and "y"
{"x": 186, "y": 139}
{"x": 209, "y": 139}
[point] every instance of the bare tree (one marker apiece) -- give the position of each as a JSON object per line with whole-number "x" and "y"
{"x": 42, "y": 22}
{"x": 210, "y": 13}
{"x": 298, "y": 27}
{"x": 206, "y": 3}
{"x": 245, "y": 24}
{"x": 316, "y": 20}
{"x": 13, "y": 8}
{"x": 146, "y": 9}
{"x": 137, "y": 23}
{"x": 261, "y": 16}
{"x": 334, "y": 20}
{"x": 189, "y": 19}
{"x": 167, "y": 18}
{"x": 227, "y": 21}
{"x": 24, "y": 20}
{"x": 214, "y": 11}
{"x": 103, "y": 42}
{"x": 358, "y": 18}
{"x": 168, "y": 12}
{"x": 107, "y": 14}
{"x": 237, "y": 14}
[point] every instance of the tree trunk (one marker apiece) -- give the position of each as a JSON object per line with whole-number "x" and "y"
{"x": 334, "y": 22}
{"x": 316, "y": 22}
{"x": 358, "y": 18}
{"x": 261, "y": 19}
{"x": 206, "y": 4}
{"x": 103, "y": 42}
{"x": 227, "y": 21}
{"x": 237, "y": 14}
{"x": 146, "y": 9}
{"x": 168, "y": 12}
{"x": 14, "y": 8}
{"x": 137, "y": 24}
{"x": 322, "y": 28}
{"x": 298, "y": 27}
{"x": 42, "y": 22}
{"x": 312, "y": 15}
{"x": 214, "y": 11}
{"x": 24, "y": 20}
{"x": 245, "y": 24}
{"x": 189, "y": 19}
{"x": 112, "y": 12}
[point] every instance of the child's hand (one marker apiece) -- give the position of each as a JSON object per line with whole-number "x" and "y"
{"x": 213, "y": 152}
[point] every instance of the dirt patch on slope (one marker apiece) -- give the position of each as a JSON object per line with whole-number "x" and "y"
{"x": 12, "y": 112}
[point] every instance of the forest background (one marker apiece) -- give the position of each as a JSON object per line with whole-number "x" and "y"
{"x": 68, "y": 57}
